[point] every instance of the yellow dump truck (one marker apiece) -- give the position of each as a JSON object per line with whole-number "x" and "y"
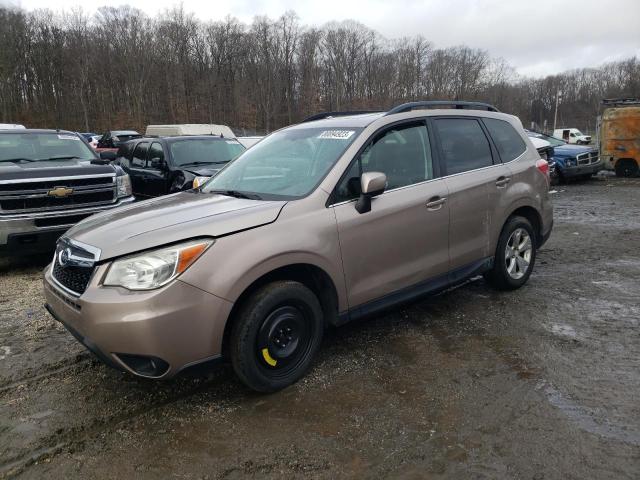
{"x": 619, "y": 136}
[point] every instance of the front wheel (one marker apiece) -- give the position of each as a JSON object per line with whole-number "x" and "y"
{"x": 275, "y": 335}
{"x": 515, "y": 255}
{"x": 626, "y": 168}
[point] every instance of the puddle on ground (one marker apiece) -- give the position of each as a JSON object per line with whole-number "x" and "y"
{"x": 589, "y": 419}
{"x": 563, "y": 330}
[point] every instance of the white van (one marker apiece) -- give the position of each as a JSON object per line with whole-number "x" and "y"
{"x": 11, "y": 126}
{"x": 572, "y": 135}
{"x": 189, "y": 129}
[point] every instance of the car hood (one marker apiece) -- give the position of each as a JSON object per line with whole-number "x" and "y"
{"x": 169, "y": 219}
{"x": 565, "y": 150}
{"x": 51, "y": 169}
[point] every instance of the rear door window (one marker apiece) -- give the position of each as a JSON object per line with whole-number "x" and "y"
{"x": 509, "y": 144}
{"x": 464, "y": 145}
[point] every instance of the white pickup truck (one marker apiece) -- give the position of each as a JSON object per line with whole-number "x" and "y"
{"x": 572, "y": 135}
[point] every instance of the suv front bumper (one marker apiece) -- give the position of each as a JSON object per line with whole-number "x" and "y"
{"x": 577, "y": 170}
{"x": 36, "y": 232}
{"x": 176, "y": 326}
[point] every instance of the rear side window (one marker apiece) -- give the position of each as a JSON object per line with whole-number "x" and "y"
{"x": 509, "y": 144}
{"x": 464, "y": 145}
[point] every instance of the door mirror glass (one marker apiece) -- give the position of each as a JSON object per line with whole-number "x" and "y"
{"x": 371, "y": 184}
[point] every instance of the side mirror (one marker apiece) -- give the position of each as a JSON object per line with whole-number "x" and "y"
{"x": 371, "y": 184}
{"x": 108, "y": 156}
{"x": 157, "y": 163}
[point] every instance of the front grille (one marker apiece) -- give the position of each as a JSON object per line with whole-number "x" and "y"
{"x": 33, "y": 196}
{"x": 77, "y": 269}
{"x": 49, "y": 184}
{"x": 57, "y": 221}
{"x": 74, "y": 278}
{"x": 588, "y": 158}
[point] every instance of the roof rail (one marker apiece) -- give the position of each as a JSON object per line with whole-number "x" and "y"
{"x": 459, "y": 105}
{"x": 322, "y": 115}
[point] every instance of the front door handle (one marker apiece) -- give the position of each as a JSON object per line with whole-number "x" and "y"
{"x": 435, "y": 203}
{"x": 502, "y": 181}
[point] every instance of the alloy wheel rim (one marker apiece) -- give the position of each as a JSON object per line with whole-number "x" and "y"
{"x": 518, "y": 253}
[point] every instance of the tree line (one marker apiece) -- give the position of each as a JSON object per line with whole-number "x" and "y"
{"x": 120, "y": 68}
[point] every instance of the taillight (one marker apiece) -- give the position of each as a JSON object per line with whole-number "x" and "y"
{"x": 543, "y": 166}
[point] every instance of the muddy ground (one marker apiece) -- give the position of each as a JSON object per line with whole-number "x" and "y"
{"x": 539, "y": 383}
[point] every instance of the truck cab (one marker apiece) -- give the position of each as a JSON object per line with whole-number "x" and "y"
{"x": 49, "y": 181}
{"x": 620, "y": 136}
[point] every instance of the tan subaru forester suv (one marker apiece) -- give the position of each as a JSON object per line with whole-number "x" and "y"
{"x": 318, "y": 224}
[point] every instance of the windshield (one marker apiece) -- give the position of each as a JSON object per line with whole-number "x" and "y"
{"x": 43, "y": 146}
{"x": 555, "y": 142}
{"x": 287, "y": 164}
{"x": 185, "y": 152}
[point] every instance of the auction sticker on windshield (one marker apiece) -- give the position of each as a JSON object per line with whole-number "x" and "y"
{"x": 68, "y": 137}
{"x": 337, "y": 134}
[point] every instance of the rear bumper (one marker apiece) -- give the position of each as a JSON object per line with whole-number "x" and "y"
{"x": 36, "y": 232}
{"x": 178, "y": 326}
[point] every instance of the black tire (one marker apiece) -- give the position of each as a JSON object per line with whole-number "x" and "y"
{"x": 626, "y": 168}
{"x": 285, "y": 319}
{"x": 499, "y": 276}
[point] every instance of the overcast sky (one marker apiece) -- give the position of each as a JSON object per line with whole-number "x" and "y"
{"x": 537, "y": 37}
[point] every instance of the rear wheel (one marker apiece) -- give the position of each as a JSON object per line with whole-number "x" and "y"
{"x": 275, "y": 336}
{"x": 515, "y": 255}
{"x": 626, "y": 168}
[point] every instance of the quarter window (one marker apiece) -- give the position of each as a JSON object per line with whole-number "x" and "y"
{"x": 509, "y": 144}
{"x": 402, "y": 153}
{"x": 464, "y": 145}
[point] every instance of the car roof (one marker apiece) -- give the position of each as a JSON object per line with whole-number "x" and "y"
{"x": 365, "y": 119}
{"x": 124, "y": 132}
{"x": 24, "y": 131}
{"x": 180, "y": 138}
{"x": 354, "y": 121}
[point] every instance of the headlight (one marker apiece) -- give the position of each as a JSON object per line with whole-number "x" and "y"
{"x": 199, "y": 181}
{"x": 124, "y": 185}
{"x": 155, "y": 268}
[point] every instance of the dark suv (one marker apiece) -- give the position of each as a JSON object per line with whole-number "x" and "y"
{"x": 158, "y": 166}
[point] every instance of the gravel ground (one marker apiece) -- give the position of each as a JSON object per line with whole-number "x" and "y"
{"x": 539, "y": 383}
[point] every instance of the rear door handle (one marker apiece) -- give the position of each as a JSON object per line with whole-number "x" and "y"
{"x": 502, "y": 181}
{"x": 435, "y": 203}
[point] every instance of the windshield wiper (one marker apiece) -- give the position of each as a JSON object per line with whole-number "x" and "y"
{"x": 19, "y": 160}
{"x": 237, "y": 194}
{"x": 64, "y": 157}
{"x": 195, "y": 163}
